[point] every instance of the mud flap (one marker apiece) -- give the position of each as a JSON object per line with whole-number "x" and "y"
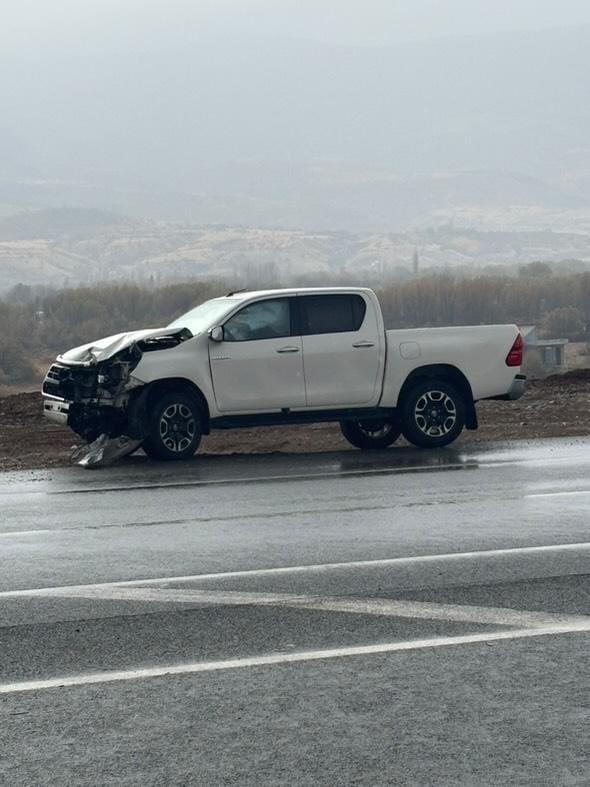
{"x": 103, "y": 451}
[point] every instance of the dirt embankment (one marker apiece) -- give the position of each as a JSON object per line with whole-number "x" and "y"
{"x": 555, "y": 407}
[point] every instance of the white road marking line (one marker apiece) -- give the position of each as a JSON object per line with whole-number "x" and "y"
{"x": 384, "y": 607}
{"x": 456, "y": 613}
{"x": 559, "y": 494}
{"x": 285, "y": 658}
{"x": 540, "y": 461}
{"x": 19, "y": 533}
{"x": 313, "y": 568}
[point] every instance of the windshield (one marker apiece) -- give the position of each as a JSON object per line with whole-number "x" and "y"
{"x": 205, "y": 316}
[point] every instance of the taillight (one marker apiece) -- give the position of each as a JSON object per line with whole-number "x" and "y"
{"x": 514, "y": 357}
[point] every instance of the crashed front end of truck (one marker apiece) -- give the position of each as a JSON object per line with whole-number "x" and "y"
{"x": 92, "y": 390}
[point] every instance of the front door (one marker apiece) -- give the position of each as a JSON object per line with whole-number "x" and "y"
{"x": 258, "y": 367}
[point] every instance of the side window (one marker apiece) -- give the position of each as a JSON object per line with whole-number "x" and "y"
{"x": 331, "y": 313}
{"x": 261, "y": 320}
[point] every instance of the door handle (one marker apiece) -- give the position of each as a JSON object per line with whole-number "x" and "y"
{"x": 288, "y": 350}
{"x": 364, "y": 344}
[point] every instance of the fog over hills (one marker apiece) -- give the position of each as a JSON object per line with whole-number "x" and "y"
{"x": 284, "y": 133}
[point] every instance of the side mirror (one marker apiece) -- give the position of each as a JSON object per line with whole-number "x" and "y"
{"x": 216, "y": 334}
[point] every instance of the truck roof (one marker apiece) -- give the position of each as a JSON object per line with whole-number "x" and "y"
{"x": 248, "y": 294}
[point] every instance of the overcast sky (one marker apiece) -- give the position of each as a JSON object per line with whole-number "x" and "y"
{"x": 34, "y": 24}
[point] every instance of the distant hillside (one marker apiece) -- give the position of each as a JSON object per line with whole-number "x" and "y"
{"x": 258, "y": 256}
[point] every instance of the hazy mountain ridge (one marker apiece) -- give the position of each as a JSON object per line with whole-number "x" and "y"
{"x": 124, "y": 250}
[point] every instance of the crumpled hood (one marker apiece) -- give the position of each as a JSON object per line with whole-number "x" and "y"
{"x": 103, "y": 349}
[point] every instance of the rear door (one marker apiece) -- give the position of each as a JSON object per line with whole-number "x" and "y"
{"x": 341, "y": 350}
{"x": 259, "y": 364}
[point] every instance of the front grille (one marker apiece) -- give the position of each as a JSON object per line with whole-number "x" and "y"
{"x": 57, "y": 372}
{"x": 70, "y": 383}
{"x": 52, "y": 384}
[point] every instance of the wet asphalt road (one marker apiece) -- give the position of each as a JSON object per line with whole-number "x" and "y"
{"x": 400, "y": 617}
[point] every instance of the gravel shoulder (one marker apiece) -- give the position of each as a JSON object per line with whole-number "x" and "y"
{"x": 558, "y": 406}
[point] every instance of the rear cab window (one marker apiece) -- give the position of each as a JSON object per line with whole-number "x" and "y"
{"x": 341, "y": 313}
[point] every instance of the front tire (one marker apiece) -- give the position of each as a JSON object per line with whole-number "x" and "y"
{"x": 433, "y": 414}
{"x": 370, "y": 434}
{"x": 175, "y": 427}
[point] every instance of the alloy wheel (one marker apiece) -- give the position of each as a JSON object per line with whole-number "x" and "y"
{"x": 435, "y": 414}
{"x": 177, "y": 427}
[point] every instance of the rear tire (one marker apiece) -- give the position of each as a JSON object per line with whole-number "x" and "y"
{"x": 175, "y": 427}
{"x": 370, "y": 434}
{"x": 433, "y": 414}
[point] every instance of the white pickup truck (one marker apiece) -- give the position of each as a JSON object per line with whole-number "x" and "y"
{"x": 284, "y": 357}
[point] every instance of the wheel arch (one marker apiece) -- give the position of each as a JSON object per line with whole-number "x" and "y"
{"x": 453, "y": 375}
{"x": 150, "y": 393}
